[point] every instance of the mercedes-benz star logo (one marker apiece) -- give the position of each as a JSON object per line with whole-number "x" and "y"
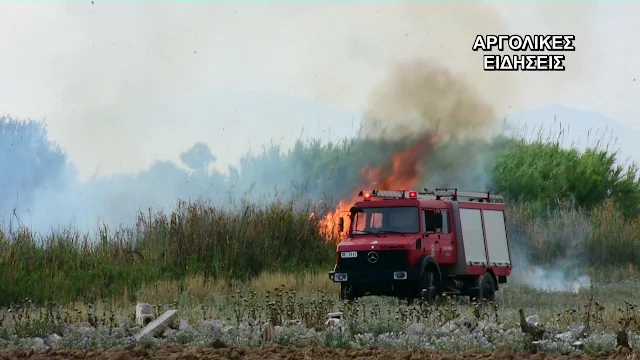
{"x": 372, "y": 257}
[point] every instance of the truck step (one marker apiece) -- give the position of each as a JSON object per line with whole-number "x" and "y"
{"x": 451, "y": 292}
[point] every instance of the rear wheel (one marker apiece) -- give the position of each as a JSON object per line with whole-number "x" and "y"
{"x": 486, "y": 288}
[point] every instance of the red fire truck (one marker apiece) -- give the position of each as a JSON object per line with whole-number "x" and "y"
{"x": 420, "y": 244}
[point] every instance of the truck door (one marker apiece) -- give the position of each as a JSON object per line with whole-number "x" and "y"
{"x": 430, "y": 236}
{"x": 438, "y": 241}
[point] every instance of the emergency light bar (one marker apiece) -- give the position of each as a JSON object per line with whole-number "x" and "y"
{"x": 388, "y": 194}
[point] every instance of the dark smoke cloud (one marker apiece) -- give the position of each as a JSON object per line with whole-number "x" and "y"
{"x": 422, "y": 96}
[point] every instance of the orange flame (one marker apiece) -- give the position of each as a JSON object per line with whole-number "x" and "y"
{"x": 404, "y": 174}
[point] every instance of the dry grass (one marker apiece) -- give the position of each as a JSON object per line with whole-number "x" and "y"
{"x": 602, "y": 307}
{"x": 202, "y": 289}
{"x": 551, "y": 306}
{"x": 199, "y": 250}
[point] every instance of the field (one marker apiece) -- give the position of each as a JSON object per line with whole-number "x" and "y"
{"x": 249, "y": 279}
{"x": 291, "y": 320}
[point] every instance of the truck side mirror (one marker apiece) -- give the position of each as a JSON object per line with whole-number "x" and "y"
{"x": 438, "y": 220}
{"x": 341, "y": 224}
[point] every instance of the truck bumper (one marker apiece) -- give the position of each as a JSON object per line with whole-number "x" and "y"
{"x": 369, "y": 277}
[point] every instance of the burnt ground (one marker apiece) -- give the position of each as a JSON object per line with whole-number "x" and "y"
{"x": 288, "y": 353}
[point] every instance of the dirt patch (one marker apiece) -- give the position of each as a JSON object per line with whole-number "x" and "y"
{"x": 282, "y": 352}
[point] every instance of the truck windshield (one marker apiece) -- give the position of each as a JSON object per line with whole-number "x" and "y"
{"x": 390, "y": 220}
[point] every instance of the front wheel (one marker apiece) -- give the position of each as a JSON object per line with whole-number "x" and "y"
{"x": 347, "y": 292}
{"x": 427, "y": 288}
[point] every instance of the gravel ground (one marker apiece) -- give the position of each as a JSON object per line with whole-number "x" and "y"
{"x": 221, "y": 351}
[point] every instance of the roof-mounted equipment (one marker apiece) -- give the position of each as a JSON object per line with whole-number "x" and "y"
{"x": 436, "y": 194}
{"x": 457, "y": 195}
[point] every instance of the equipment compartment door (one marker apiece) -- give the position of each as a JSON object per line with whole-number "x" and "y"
{"x": 496, "y": 238}
{"x": 473, "y": 237}
{"x": 445, "y": 238}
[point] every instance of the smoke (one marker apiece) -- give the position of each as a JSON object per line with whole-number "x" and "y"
{"x": 549, "y": 278}
{"x": 439, "y": 113}
{"x": 441, "y": 121}
{"x": 110, "y": 79}
{"x": 120, "y": 79}
{"x": 423, "y": 100}
{"x": 566, "y": 274}
{"x": 562, "y": 237}
{"x": 421, "y": 96}
{"x": 460, "y": 107}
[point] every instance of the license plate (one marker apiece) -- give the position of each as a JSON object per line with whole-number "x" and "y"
{"x": 349, "y": 254}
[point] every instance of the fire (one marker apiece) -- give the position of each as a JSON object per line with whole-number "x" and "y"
{"x": 404, "y": 173}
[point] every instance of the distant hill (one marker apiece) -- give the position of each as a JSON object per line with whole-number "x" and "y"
{"x": 577, "y": 128}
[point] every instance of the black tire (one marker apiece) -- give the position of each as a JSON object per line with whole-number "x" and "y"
{"x": 347, "y": 292}
{"x": 427, "y": 290}
{"x": 410, "y": 300}
{"x": 486, "y": 288}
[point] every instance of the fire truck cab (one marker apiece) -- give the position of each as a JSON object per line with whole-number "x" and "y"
{"x": 420, "y": 244}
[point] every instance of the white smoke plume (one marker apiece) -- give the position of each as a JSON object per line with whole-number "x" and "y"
{"x": 119, "y": 86}
{"x": 565, "y": 232}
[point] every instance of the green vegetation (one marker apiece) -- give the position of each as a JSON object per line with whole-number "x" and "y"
{"x": 195, "y": 239}
{"x": 563, "y": 204}
{"x": 545, "y": 175}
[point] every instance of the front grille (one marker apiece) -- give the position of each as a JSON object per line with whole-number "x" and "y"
{"x": 387, "y": 260}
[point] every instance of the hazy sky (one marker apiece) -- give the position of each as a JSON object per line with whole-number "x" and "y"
{"x": 124, "y": 84}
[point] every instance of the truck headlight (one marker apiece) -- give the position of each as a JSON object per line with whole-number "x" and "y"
{"x": 340, "y": 277}
{"x": 400, "y": 275}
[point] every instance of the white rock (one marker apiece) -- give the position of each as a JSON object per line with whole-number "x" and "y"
{"x": 53, "y": 339}
{"x": 37, "y": 343}
{"x": 415, "y": 329}
{"x": 577, "y": 329}
{"x": 119, "y": 332}
{"x": 158, "y": 325}
{"x": 184, "y": 324}
{"x": 481, "y": 325}
{"x": 209, "y": 324}
{"x": 533, "y": 320}
{"x": 227, "y": 328}
{"x": 450, "y": 326}
{"x": 144, "y": 314}
{"x": 333, "y": 322}
{"x": 464, "y": 321}
{"x": 492, "y": 327}
{"x": 507, "y": 326}
{"x": 168, "y": 332}
{"x": 124, "y": 321}
{"x": 461, "y": 320}
{"x": 565, "y": 336}
{"x": 84, "y": 327}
